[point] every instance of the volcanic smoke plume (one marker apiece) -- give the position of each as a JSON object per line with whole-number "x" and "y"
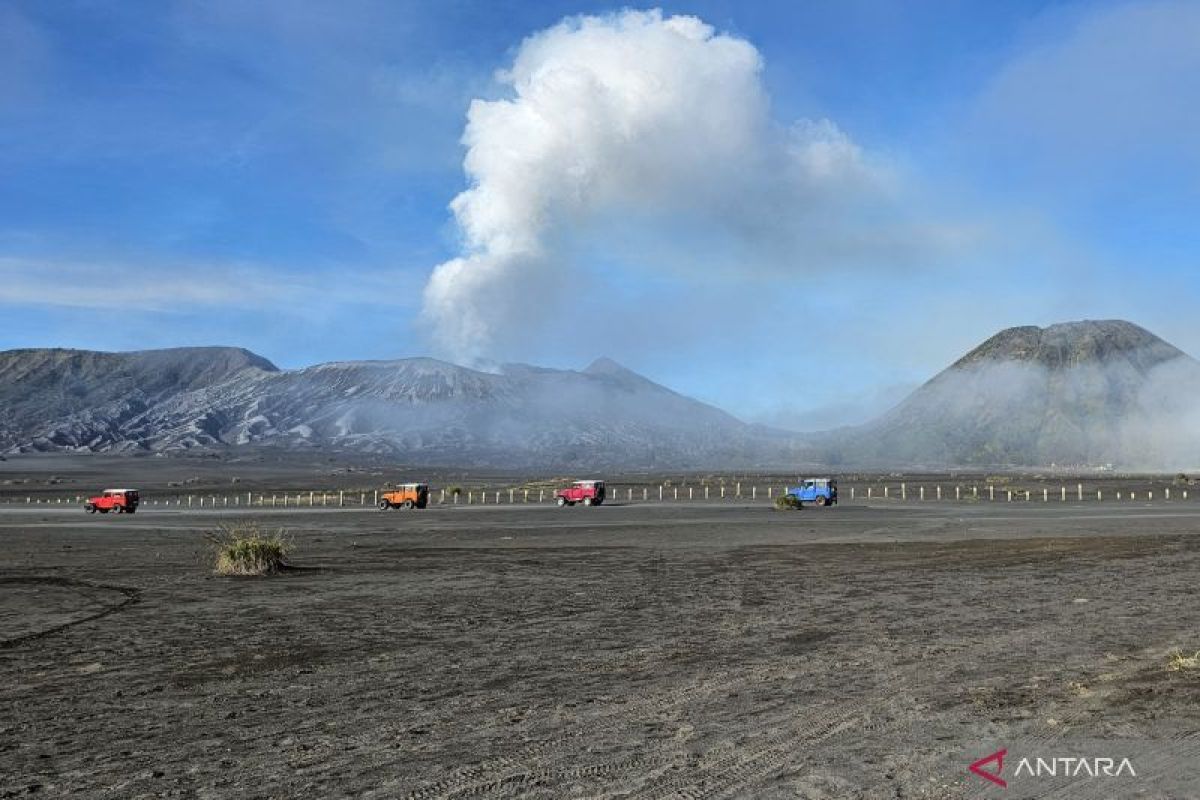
{"x": 652, "y": 127}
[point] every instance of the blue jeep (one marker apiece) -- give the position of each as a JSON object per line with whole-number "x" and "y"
{"x": 822, "y": 491}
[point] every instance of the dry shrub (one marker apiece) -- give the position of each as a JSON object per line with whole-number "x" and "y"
{"x": 1180, "y": 661}
{"x": 787, "y": 502}
{"x": 244, "y": 549}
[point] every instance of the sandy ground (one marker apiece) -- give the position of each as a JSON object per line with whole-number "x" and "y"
{"x": 674, "y": 650}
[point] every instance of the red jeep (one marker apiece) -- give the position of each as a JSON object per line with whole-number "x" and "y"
{"x": 118, "y": 501}
{"x": 590, "y": 493}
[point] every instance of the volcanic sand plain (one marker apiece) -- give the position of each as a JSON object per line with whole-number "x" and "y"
{"x": 627, "y": 650}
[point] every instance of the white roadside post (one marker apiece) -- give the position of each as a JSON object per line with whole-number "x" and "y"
{"x": 885, "y": 492}
{"x": 676, "y": 491}
{"x": 903, "y": 491}
{"x": 1168, "y": 494}
{"x": 852, "y": 493}
{"x": 660, "y": 492}
{"x": 991, "y": 492}
{"x": 1099, "y": 495}
{"x": 341, "y": 498}
{"x": 1045, "y": 495}
{"x": 1064, "y": 494}
{"x": 691, "y": 492}
{"x": 870, "y": 489}
{"x": 375, "y": 498}
{"x": 754, "y": 493}
{"x": 1080, "y": 488}
{"x": 705, "y": 492}
{"x": 939, "y": 492}
{"x": 922, "y": 494}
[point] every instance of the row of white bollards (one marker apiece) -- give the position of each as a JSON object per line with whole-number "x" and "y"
{"x": 343, "y": 499}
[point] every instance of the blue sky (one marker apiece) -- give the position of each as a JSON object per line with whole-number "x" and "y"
{"x": 278, "y": 175}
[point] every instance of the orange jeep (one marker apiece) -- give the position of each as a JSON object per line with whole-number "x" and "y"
{"x": 118, "y": 501}
{"x": 406, "y": 495}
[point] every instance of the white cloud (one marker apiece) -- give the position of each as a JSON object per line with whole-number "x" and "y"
{"x": 649, "y": 139}
{"x": 164, "y": 288}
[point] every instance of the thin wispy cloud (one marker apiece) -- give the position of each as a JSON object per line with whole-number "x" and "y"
{"x": 180, "y": 289}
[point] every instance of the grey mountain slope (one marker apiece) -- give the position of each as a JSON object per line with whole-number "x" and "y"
{"x": 1072, "y": 394}
{"x": 91, "y": 394}
{"x": 417, "y": 408}
{"x": 1083, "y": 393}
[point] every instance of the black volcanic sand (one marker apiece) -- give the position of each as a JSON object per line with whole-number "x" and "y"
{"x": 620, "y": 651}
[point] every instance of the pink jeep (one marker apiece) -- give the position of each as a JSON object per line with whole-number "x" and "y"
{"x": 590, "y": 493}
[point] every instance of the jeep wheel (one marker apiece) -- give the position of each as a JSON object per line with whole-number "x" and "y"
{"x": 561, "y": 501}
{"x": 89, "y": 508}
{"x": 587, "y": 501}
{"x": 408, "y": 505}
{"x": 821, "y": 500}
{"x": 384, "y": 505}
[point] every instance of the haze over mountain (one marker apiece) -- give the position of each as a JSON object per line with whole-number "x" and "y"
{"x": 418, "y": 409}
{"x": 1075, "y": 394}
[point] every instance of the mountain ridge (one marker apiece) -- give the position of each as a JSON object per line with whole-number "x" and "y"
{"x": 419, "y": 407}
{"x": 1091, "y": 392}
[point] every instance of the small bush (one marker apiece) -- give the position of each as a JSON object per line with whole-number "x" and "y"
{"x": 244, "y": 549}
{"x": 1180, "y": 661}
{"x": 787, "y": 502}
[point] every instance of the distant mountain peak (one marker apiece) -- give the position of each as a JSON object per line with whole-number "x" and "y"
{"x": 1092, "y": 392}
{"x": 1073, "y": 343}
{"x": 606, "y": 366}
